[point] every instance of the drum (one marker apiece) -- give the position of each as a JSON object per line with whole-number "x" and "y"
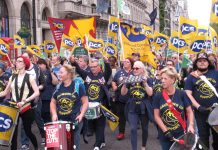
{"x": 213, "y": 119}
{"x": 94, "y": 111}
{"x": 8, "y": 121}
{"x": 59, "y": 135}
{"x": 190, "y": 141}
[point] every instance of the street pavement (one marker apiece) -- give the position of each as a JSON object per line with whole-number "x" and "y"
{"x": 111, "y": 142}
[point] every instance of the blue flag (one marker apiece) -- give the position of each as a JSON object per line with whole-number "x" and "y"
{"x": 153, "y": 16}
{"x": 102, "y": 5}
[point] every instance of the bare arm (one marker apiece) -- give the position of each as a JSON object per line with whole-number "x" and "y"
{"x": 190, "y": 116}
{"x": 148, "y": 89}
{"x": 114, "y": 85}
{"x": 53, "y": 110}
{"x": 159, "y": 120}
{"x": 54, "y": 79}
{"x": 124, "y": 90}
{"x": 194, "y": 102}
{"x": 84, "y": 108}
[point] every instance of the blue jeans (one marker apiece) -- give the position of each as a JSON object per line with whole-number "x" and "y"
{"x": 76, "y": 133}
{"x": 133, "y": 119}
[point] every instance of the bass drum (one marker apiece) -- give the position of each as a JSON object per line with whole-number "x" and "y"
{"x": 190, "y": 141}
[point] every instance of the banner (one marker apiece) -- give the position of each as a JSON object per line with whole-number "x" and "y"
{"x": 177, "y": 44}
{"x": 71, "y": 27}
{"x": 113, "y": 27}
{"x": 49, "y": 47}
{"x": 113, "y": 120}
{"x": 214, "y": 12}
{"x": 18, "y": 42}
{"x": 151, "y": 59}
{"x": 198, "y": 45}
{"x": 133, "y": 41}
{"x": 94, "y": 45}
{"x": 34, "y": 49}
{"x": 160, "y": 40}
{"x": 187, "y": 28}
{"x": 67, "y": 42}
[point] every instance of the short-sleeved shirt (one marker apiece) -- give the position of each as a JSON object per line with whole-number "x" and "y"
{"x": 180, "y": 101}
{"x": 68, "y": 101}
{"x": 156, "y": 84}
{"x": 117, "y": 76}
{"x": 201, "y": 91}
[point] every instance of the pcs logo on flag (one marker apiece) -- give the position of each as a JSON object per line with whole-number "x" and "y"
{"x": 198, "y": 45}
{"x": 95, "y": 45}
{"x": 114, "y": 27}
{"x": 161, "y": 40}
{"x": 178, "y": 43}
{"x": 215, "y": 8}
{"x": 68, "y": 42}
{"x": 50, "y": 46}
{"x": 187, "y": 28}
{"x": 59, "y": 25}
{"x": 110, "y": 50}
{"x": 3, "y": 48}
{"x": 18, "y": 42}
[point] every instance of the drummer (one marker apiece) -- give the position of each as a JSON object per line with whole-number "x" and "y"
{"x": 169, "y": 126}
{"x": 202, "y": 96}
{"x": 24, "y": 89}
{"x": 69, "y": 101}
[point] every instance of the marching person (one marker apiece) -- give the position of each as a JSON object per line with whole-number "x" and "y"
{"x": 97, "y": 91}
{"x": 69, "y": 101}
{"x": 170, "y": 125}
{"x": 137, "y": 106}
{"x": 2, "y": 80}
{"x": 202, "y": 96}
{"x": 120, "y": 100}
{"x": 51, "y": 81}
{"x": 24, "y": 90}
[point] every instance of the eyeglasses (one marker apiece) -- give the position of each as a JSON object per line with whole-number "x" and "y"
{"x": 174, "y": 57}
{"x": 169, "y": 64}
{"x": 136, "y": 68}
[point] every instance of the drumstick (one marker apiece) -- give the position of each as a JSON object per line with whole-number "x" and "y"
{"x": 182, "y": 142}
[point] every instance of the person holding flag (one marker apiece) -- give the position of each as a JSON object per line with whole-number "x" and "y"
{"x": 138, "y": 106}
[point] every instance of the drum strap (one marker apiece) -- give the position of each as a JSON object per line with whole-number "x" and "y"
{"x": 20, "y": 96}
{"x": 176, "y": 113}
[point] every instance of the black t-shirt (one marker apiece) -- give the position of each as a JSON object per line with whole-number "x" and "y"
{"x": 180, "y": 101}
{"x": 156, "y": 84}
{"x": 48, "y": 88}
{"x": 201, "y": 91}
{"x": 68, "y": 101}
{"x": 2, "y": 86}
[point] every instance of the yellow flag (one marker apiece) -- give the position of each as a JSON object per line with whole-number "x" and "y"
{"x": 113, "y": 27}
{"x": 177, "y": 44}
{"x": 187, "y": 28}
{"x": 160, "y": 40}
{"x": 214, "y": 12}
{"x": 4, "y": 48}
{"x": 151, "y": 59}
{"x": 133, "y": 41}
{"x": 49, "y": 47}
{"x": 113, "y": 120}
{"x": 148, "y": 32}
{"x": 94, "y": 45}
{"x": 34, "y": 49}
{"x": 67, "y": 42}
{"x": 198, "y": 45}
{"x": 111, "y": 50}
{"x": 18, "y": 41}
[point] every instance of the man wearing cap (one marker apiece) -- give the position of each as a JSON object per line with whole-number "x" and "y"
{"x": 202, "y": 96}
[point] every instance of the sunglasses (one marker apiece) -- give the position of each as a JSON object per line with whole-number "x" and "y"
{"x": 135, "y": 68}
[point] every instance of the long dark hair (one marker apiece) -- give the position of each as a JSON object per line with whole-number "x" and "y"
{"x": 42, "y": 61}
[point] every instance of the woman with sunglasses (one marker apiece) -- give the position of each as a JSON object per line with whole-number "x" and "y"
{"x": 170, "y": 107}
{"x": 138, "y": 106}
{"x": 24, "y": 89}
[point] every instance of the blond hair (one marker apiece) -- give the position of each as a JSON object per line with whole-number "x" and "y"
{"x": 141, "y": 65}
{"x": 70, "y": 69}
{"x": 170, "y": 71}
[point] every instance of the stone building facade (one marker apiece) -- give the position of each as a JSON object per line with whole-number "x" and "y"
{"x": 15, "y": 14}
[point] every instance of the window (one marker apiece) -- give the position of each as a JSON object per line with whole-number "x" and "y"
{"x": 4, "y": 22}
{"x": 44, "y": 15}
{"x": 93, "y": 6}
{"x": 25, "y": 19}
